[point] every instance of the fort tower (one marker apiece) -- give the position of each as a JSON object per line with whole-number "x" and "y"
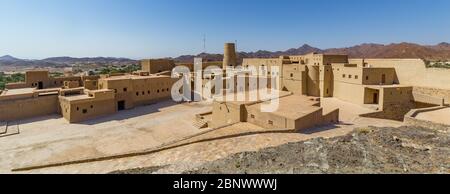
{"x": 229, "y": 55}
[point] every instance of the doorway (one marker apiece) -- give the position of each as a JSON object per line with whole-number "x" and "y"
{"x": 383, "y": 79}
{"x": 121, "y": 105}
{"x": 371, "y": 96}
{"x": 40, "y": 85}
{"x": 375, "y": 98}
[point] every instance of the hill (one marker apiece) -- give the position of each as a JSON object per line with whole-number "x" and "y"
{"x": 401, "y": 50}
{"x": 8, "y": 60}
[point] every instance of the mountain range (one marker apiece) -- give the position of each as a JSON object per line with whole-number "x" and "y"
{"x": 397, "y": 50}
{"x": 8, "y": 60}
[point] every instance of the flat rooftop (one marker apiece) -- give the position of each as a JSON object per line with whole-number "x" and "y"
{"x": 133, "y": 77}
{"x": 20, "y": 91}
{"x": 76, "y": 97}
{"x": 294, "y": 106}
{"x": 234, "y": 97}
{"x": 79, "y": 97}
{"x": 386, "y": 86}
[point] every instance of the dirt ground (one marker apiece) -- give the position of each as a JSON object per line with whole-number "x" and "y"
{"x": 52, "y": 139}
{"x": 438, "y": 116}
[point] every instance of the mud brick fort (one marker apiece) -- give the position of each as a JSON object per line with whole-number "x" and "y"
{"x": 392, "y": 88}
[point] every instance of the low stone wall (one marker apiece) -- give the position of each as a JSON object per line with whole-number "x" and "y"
{"x": 331, "y": 117}
{"x": 19, "y": 85}
{"x": 434, "y": 92}
{"x": 392, "y": 111}
{"x": 410, "y": 119}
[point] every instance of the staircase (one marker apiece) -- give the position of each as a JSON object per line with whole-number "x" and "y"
{"x": 200, "y": 124}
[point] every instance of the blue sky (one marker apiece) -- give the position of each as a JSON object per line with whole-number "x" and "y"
{"x": 159, "y": 28}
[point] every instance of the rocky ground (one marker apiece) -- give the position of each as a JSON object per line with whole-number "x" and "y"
{"x": 365, "y": 150}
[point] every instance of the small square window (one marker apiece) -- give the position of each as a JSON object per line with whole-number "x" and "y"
{"x": 270, "y": 122}
{"x": 252, "y": 116}
{"x": 84, "y": 111}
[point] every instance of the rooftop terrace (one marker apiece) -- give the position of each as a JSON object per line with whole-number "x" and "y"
{"x": 294, "y": 106}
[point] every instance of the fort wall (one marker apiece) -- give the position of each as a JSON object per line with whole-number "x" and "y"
{"x": 413, "y": 72}
{"x": 410, "y": 119}
{"x": 28, "y": 107}
{"x": 434, "y": 92}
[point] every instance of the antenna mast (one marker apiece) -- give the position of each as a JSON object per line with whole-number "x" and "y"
{"x": 204, "y": 43}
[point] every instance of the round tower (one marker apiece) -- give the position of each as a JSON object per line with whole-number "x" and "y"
{"x": 229, "y": 55}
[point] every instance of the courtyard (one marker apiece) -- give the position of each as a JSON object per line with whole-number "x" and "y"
{"x": 162, "y": 134}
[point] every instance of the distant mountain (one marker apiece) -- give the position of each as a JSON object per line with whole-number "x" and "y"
{"x": 9, "y": 58}
{"x": 101, "y": 60}
{"x": 368, "y": 50}
{"x": 400, "y": 50}
{"x": 305, "y": 49}
{"x": 440, "y": 51}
